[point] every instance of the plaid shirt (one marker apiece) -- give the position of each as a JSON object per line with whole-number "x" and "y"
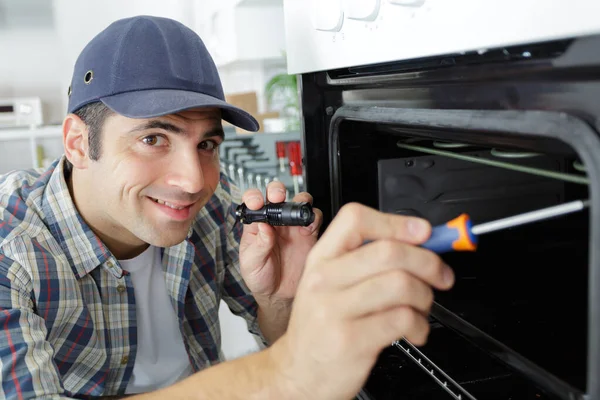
{"x": 67, "y": 309}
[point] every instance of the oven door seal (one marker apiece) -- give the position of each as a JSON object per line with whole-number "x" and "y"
{"x": 557, "y": 125}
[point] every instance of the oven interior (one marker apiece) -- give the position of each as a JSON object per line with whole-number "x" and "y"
{"x": 515, "y": 324}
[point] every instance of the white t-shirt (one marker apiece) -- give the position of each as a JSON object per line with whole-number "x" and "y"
{"x": 161, "y": 359}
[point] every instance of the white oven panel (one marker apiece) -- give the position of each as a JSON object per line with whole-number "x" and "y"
{"x": 327, "y": 34}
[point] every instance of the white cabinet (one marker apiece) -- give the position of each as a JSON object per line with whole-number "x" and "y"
{"x": 243, "y": 31}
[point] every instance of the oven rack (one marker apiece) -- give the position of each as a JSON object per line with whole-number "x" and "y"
{"x": 500, "y": 164}
{"x": 453, "y": 388}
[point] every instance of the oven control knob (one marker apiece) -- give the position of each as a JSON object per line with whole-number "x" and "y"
{"x": 364, "y": 10}
{"x": 411, "y": 3}
{"x": 328, "y": 15}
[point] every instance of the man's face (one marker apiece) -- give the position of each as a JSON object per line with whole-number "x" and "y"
{"x": 154, "y": 175}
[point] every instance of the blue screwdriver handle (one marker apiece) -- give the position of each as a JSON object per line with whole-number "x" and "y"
{"x": 454, "y": 235}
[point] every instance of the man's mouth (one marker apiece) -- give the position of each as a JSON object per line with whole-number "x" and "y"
{"x": 171, "y": 205}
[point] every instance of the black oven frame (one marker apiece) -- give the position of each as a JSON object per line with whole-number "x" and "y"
{"x": 552, "y": 93}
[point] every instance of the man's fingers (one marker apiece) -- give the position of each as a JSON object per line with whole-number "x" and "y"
{"x": 355, "y": 223}
{"x": 313, "y": 228}
{"x": 303, "y": 197}
{"x": 275, "y": 192}
{"x": 388, "y": 326}
{"x": 253, "y": 198}
{"x": 261, "y": 237}
{"x": 381, "y": 292}
{"x": 387, "y": 255}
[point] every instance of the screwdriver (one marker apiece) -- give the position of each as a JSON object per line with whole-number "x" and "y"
{"x": 460, "y": 234}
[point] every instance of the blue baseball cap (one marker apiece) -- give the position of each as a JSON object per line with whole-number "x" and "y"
{"x": 145, "y": 66}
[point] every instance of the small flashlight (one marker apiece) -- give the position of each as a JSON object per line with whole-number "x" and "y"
{"x": 278, "y": 214}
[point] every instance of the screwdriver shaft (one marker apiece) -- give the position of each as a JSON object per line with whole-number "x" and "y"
{"x": 532, "y": 216}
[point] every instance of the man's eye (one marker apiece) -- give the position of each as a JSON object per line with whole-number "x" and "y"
{"x": 208, "y": 145}
{"x": 152, "y": 140}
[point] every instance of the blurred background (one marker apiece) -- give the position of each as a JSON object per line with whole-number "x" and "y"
{"x": 41, "y": 39}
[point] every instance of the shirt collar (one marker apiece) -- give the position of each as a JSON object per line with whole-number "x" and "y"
{"x": 84, "y": 250}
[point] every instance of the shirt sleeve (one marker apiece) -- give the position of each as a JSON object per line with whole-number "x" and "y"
{"x": 26, "y": 358}
{"x": 235, "y": 293}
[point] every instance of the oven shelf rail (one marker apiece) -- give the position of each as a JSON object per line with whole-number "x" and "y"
{"x": 453, "y": 388}
{"x": 500, "y": 164}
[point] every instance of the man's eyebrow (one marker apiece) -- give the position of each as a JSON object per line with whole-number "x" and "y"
{"x": 216, "y": 131}
{"x": 156, "y": 124}
{"x": 167, "y": 126}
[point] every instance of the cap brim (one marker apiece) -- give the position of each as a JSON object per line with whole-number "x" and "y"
{"x": 154, "y": 103}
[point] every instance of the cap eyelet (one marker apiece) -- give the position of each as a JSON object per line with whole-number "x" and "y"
{"x": 88, "y": 77}
{"x": 69, "y": 91}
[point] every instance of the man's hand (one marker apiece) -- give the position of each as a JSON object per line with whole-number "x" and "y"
{"x": 272, "y": 258}
{"x": 355, "y": 299}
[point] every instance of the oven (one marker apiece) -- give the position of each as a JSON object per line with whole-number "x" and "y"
{"x": 490, "y": 108}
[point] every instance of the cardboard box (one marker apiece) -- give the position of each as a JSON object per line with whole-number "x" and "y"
{"x": 248, "y": 102}
{"x": 260, "y": 118}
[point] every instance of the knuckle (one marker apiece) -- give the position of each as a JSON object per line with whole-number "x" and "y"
{"x": 388, "y": 251}
{"x": 419, "y": 337}
{"x": 396, "y": 322}
{"x": 399, "y": 281}
{"x": 406, "y": 318}
{"x": 433, "y": 264}
{"x": 424, "y": 333}
{"x": 430, "y": 297}
{"x": 414, "y": 325}
{"x": 305, "y": 196}
{"x": 426, "y": 300}
{"x": 315, "y": 281}
{"x": 351, "y": 212}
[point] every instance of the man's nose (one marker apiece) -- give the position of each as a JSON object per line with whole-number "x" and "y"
{"x": 186, "y": 173}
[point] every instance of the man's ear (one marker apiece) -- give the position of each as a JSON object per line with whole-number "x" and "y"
{"x": 75, "y": 141}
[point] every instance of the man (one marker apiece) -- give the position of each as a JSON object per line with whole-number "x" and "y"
{"x": 113, "y": 261}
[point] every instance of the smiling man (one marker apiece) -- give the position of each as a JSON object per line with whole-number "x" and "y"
{"x": 114, "y": 260}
